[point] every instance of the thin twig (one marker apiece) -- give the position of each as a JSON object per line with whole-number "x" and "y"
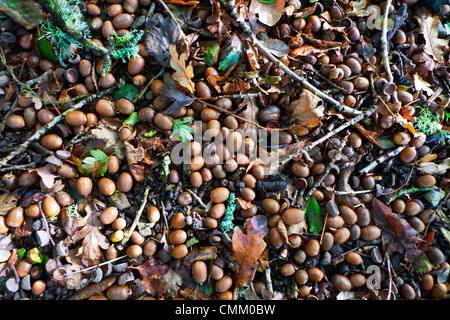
{"x": 141, "y": 94}
{"x": 24, "y": 146}
{"x": 329, "y": 166}
{"x": 382, "y": 159}
{"x": 196, "y": 197}
{"x": 169, "y": 12}
{"x": 19, "y": 167}
{"x": 231, "y": 4}
{"x": 268, "y": 280}
{"x": 385, "y": 48}
{"x": 347, "y": 124}
{"x": 97, "y": 265}
{"x": 45, "y": 223}
{"x": 128, "y": 233}
{"x": 344, "y": 193}
{"x": 10, "y": 111}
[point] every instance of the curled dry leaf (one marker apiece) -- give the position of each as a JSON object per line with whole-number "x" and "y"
{"x": 182, "y": 73}
{"x": 434, "y": 168}
{"x": 434, "y": 46}
{"x": 48, "y": 177}
{"x": 247, "y": 248}
{"x": 268, "y": 13}
{"x": 93, "y": 289}
{"x": 307, "y": 111}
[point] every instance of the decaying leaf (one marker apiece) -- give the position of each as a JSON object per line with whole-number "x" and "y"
{"x": 176, "y": 97}
{"x": 182, "y": 73}
{"x": 206, "y": 253}
{"x": 434, "y": 46}
{"x": 171, "y": 282}
{"x": 7, "y": 202}
{"x": 397, "y": 235}
{"x": 434, "y": 168}
{"x": 93, "y": 289}
{"x": 160, "y": 33}
{"x": 268, "y": 13}
{"x": 247, "y": 248}
{"x": 93, "y": 239}
{"x": 307, "y": 111}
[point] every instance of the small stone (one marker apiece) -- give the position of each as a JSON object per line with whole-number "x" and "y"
{"x": 63, "y": 154}
{"x": 26, "y": 283}
{"x": 12, "y": 285}
{"x": 42, "y": 238}
{"x": 37, "y": 225}
{"x": 121, "y": 267}
{"x": 125, "y": 277}
{"x": 54, "y": 160}
{"x": 332, "y": 208}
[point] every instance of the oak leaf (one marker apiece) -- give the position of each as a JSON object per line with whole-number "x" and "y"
{"x": 248, "y": 248}
{"x": 268, "y": 13}
{"x": 434, "y": 46}
{"x": 307, "y": 111}
{"x": 182, "y": 73}
{"x": 93, "y": 239}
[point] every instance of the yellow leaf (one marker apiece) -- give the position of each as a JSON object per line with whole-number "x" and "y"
{"x": 182, "y": 73}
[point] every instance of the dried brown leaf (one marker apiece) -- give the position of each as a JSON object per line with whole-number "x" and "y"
{"x": 182, "y": 73}
{"x": 268, "y": 14}
{"x": 247, "y": 248}
{"x": 434, "y": 46}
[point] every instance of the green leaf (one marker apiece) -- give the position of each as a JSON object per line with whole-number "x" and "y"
{"x": 165, "y": 168}
{"x": 314, "y": 215}
{"x": 132, "y": 119}
{"x": 267, "y": 1}
{"x": 422, "y": 264}
{"x": 231, "y": 58}
{"x": 126, "y": 91}
{"x": 181, "y": 130}
{"x": 212, "y": 54}
{"x": 150, "y": 133}
{"x": 35, "y": 255}
{"x": 385, "y": 143}
{"x": 46, "y": 49}
{"x": 99, "y": 158}
{"x": 21, "y": 253}
{"x": 434, "y": 196}
{"x": 191, "y": 242}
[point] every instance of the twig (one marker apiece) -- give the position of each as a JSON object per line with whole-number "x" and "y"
{"x": 231, "y": 4}
{"x": 24, "y": 146}
{"x": 268, "y": 279}
{"x": 196, "y": 197}
{"x": 344, "y": 193}
{"x": 329, "y": 166}
{"x": 169, "y": 12}
{"x": 235, "y": 96}
{"x": 385, "y": 48}
{"x": 10, "y": 111}
{"x": 406, "y": 191}
{"x": 143, "y": 91}
{"x": 47, "y": 229}
{"x": 390, "y": 277}
{"x": 128, "y": 233}
{"x": 381, "y": 159}
{"x": 354, "y": 120}
{"x": 97, "y": 265}
{"x": 19, "y": 167}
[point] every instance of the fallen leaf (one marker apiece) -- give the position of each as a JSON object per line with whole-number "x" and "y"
{"x": 268, "y": 13}
{"x": 422, "y": 85}
{"x": 48, "y": 177}
{"x": 160, "y": 33}
{"x": 206, "y": 253}
{"x": 182, "y": 73}
{"x": 314, "y": 215}
{"x": 434, "y": 46}
{"x": 93, "y": 289}
{"x": 428, "y": 158}
{"x": 277, "y": 47}
{"x": 247, "y": 248}
{"x": 171, "y": 282}
{"x": 434, "y": 196}
{"x": 177, "y": 98}
{"x": 370, "y": 135}
{"x": 434, "y": 168}
{"x": 7, "y": 202}
{"x": 306, "y": 111}
{"x": 397, "y": 235}
{"x": 93, "y": 239}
